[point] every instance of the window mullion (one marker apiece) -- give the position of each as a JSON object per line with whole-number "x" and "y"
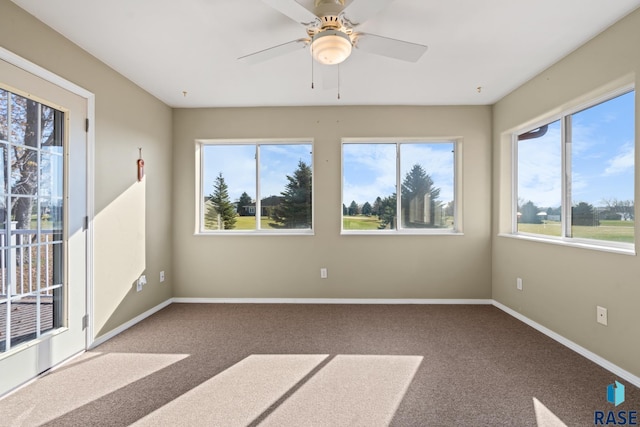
{"x": 514, "y": 187}
{"x": 258, "y": 202}
{"x": 10, "y": 260}
{"x": 566, "y": 176}
{"x": 38, "y": 225}
{"x": 398, "y": 190}
{"x": 202, "y": 191}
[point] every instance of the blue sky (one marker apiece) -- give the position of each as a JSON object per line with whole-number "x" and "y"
{"x": 238, "y": 167}
{"x": 369, "y": 169}
{"x": 602, "y": 153}
{"x": 602, "y": 162}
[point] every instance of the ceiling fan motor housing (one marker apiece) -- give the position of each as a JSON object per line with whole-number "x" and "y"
{"x": 328, "y": 7}
{"x": 331, "y": 47}
{"x": 330, "y": 21}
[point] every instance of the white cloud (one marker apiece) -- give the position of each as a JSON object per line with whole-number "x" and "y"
{"x": 238, "y": 167}
{"x": 370, "y": 169}
{"x": 369, "y": 172}
{"x": 539, "y": 169}
{"x": 621, "y": 163}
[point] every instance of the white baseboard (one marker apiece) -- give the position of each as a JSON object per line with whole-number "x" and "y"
{"x": 330, "y": 301}
{"x": 626, "y": 375}
{"x": 127, "y": 325}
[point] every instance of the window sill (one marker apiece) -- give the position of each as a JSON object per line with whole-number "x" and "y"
{"x": 401, "y": 233}
{"x": 622, "y": 248}
{"x": 256, "y": 233}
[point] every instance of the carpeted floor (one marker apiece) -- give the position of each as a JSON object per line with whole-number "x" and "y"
{"x": 333, "y": 365}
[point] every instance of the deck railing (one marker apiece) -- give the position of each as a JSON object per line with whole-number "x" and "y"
{"x": 22, "y": 258}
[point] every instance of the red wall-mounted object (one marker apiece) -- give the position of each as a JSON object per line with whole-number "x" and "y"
{"x": 140, "y": 169}
{"x": 140, "y": 165}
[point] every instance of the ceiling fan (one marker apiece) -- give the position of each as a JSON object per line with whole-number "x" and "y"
{"x": 331, "y": 32}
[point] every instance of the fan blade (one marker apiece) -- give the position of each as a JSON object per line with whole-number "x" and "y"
{"x": 361, "y": 10}
{"x": 293, "y": 10}
{"x": 272, "y": 52}
{"x": 393, "y": 48}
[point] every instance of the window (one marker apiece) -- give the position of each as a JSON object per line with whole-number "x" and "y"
{"x": 249, "y": 186}
{"x": 31, "y": 219}
{"x": 372, "y": 173}
{"x": 575, "y": 174}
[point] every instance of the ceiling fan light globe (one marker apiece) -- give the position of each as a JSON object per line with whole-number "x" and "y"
{"x": 331, "y": 47}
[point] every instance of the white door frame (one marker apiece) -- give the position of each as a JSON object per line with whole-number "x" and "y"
{"x": 53, "y": 78}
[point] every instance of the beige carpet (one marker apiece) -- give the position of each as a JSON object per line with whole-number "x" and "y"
{"x": 321, "y": 365}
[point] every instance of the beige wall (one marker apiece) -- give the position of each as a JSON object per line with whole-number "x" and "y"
{"x": 133, "y": 220}
{"x": 359, "y": 266}
{"x": 563, "y": 285}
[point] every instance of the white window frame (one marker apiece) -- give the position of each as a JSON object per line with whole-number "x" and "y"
{"x": 399, "y": 230}
{"x": 200, "y": 186}
{"x": 564, "y": 116}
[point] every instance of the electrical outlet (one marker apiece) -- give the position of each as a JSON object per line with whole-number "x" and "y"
{"x": 142, "y": 280}
{"x": 601, "y": 315}
{"x": 323, "y": 273}
{"x": 162, "y": 276}
{"x": 519, "y": 283}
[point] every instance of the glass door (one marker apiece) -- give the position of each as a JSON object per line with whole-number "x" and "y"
{"x": 42, "y": 236}
{"x": 31, "y": 219}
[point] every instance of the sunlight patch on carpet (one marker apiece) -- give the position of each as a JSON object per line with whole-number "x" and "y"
{"x": 82, "y": 381}
{"x": 238, "y": 395}
{"x": 349, "y": 390}
{"x": 544, "y": 417}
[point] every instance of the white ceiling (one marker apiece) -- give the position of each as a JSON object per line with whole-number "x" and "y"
{"x": 169, "y": 47}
